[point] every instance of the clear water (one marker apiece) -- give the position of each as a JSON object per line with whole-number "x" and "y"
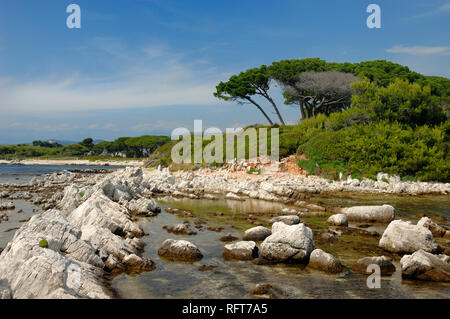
{"x": 236, "y": 279}
{"x": 23, "y": 173}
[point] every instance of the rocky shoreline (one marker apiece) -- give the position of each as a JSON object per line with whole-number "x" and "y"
{"x": 88, "y": 230}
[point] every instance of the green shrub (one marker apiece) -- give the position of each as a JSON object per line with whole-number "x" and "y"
{"x": 43, "y": 243}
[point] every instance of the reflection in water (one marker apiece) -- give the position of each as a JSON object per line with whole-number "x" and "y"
{"x": 236, "y": 279}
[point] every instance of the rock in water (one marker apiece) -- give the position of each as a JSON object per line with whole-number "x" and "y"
{"x": 425, "y": 266}
{"x": 242, "y": 250}
{"x": 288, "y": 243}
{"x": 435, "y": 229}
{"x": 258, "y": 233}
{"x": 179, "y": 249}
{"x": 338, "y": 220}
{"x": 324, "y": 261}
{"x": 288, "y": 220}
{"x": 386, "y": 266}
{"x": 404, "y": 237}
{"x": 370, "y": 214}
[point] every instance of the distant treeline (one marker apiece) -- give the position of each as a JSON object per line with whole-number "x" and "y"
{"x": 131, "y": 147}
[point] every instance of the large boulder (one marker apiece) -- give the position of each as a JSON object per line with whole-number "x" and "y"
{"x": 288, "y": 220}
{"x": 242, "y": 250}
{"x": 370, "y": 214}
{"x": 386, "y": 266}
{"x": 292, "y": 243}
{"x": 425, "y": 266}
{"x": 324, "y": 261}
{"x": 338, "y": 220}
{"x": 258, "y": 233}
{"x": 404, "y": 237}
{"x": 180, "y": 250}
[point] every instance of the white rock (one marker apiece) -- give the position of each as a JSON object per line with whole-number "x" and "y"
{"x": 338, "y": 220}
{"x": 422, "y": 265}
{"x": 288, "y": 220}
{"x": 404, "y": 237}
{"x": 242, "y": 250}
{"x": 288, "y": 243}
{"x": 379, "y": 214}
{"x": 258, "y": 233}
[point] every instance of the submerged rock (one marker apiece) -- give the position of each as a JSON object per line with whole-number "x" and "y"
{"x": 338, "y": 220}
{"x": 7, "y": 206}
{"x": 258, "y": 233}
{"x": 288, "y": 220}
{"x": 404, "y": 237}
{"x": 180, "y": 249}
{"x": 370, "y": 214}
{"x": 386, "y": 266}
{"x": 242, "y": 250}
{"x": 324, "y": 261}
{"x": 425, "y": 266}
{"x": 288, "y": 243}
{"x": 228, "y": 238}
{"x": 180, "y": 229}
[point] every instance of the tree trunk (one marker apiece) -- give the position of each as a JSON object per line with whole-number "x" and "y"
{"x": 276, "y": 110}
{"x": 261, "y": 109}
{"x": 302, "y": 108}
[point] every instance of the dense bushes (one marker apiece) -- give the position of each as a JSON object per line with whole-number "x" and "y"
{"x": 381, "y": 147}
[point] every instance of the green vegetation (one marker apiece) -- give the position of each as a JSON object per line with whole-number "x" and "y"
{"x": 43, "y": 243}
{"x": 396, "y": 120}
{"x": 124, "y": 147}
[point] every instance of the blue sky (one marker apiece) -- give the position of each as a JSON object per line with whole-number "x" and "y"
{"x": 143, "y": 66}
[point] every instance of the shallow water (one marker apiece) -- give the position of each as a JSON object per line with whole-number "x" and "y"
{"x": 236, "y": 279}
{"x": 22, "y": 174}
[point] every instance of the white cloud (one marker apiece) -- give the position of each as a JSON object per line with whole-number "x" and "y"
{"x": 420, "y": 50}
{"x": 441, "y": 9}
{"x": 144, "y": 81}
